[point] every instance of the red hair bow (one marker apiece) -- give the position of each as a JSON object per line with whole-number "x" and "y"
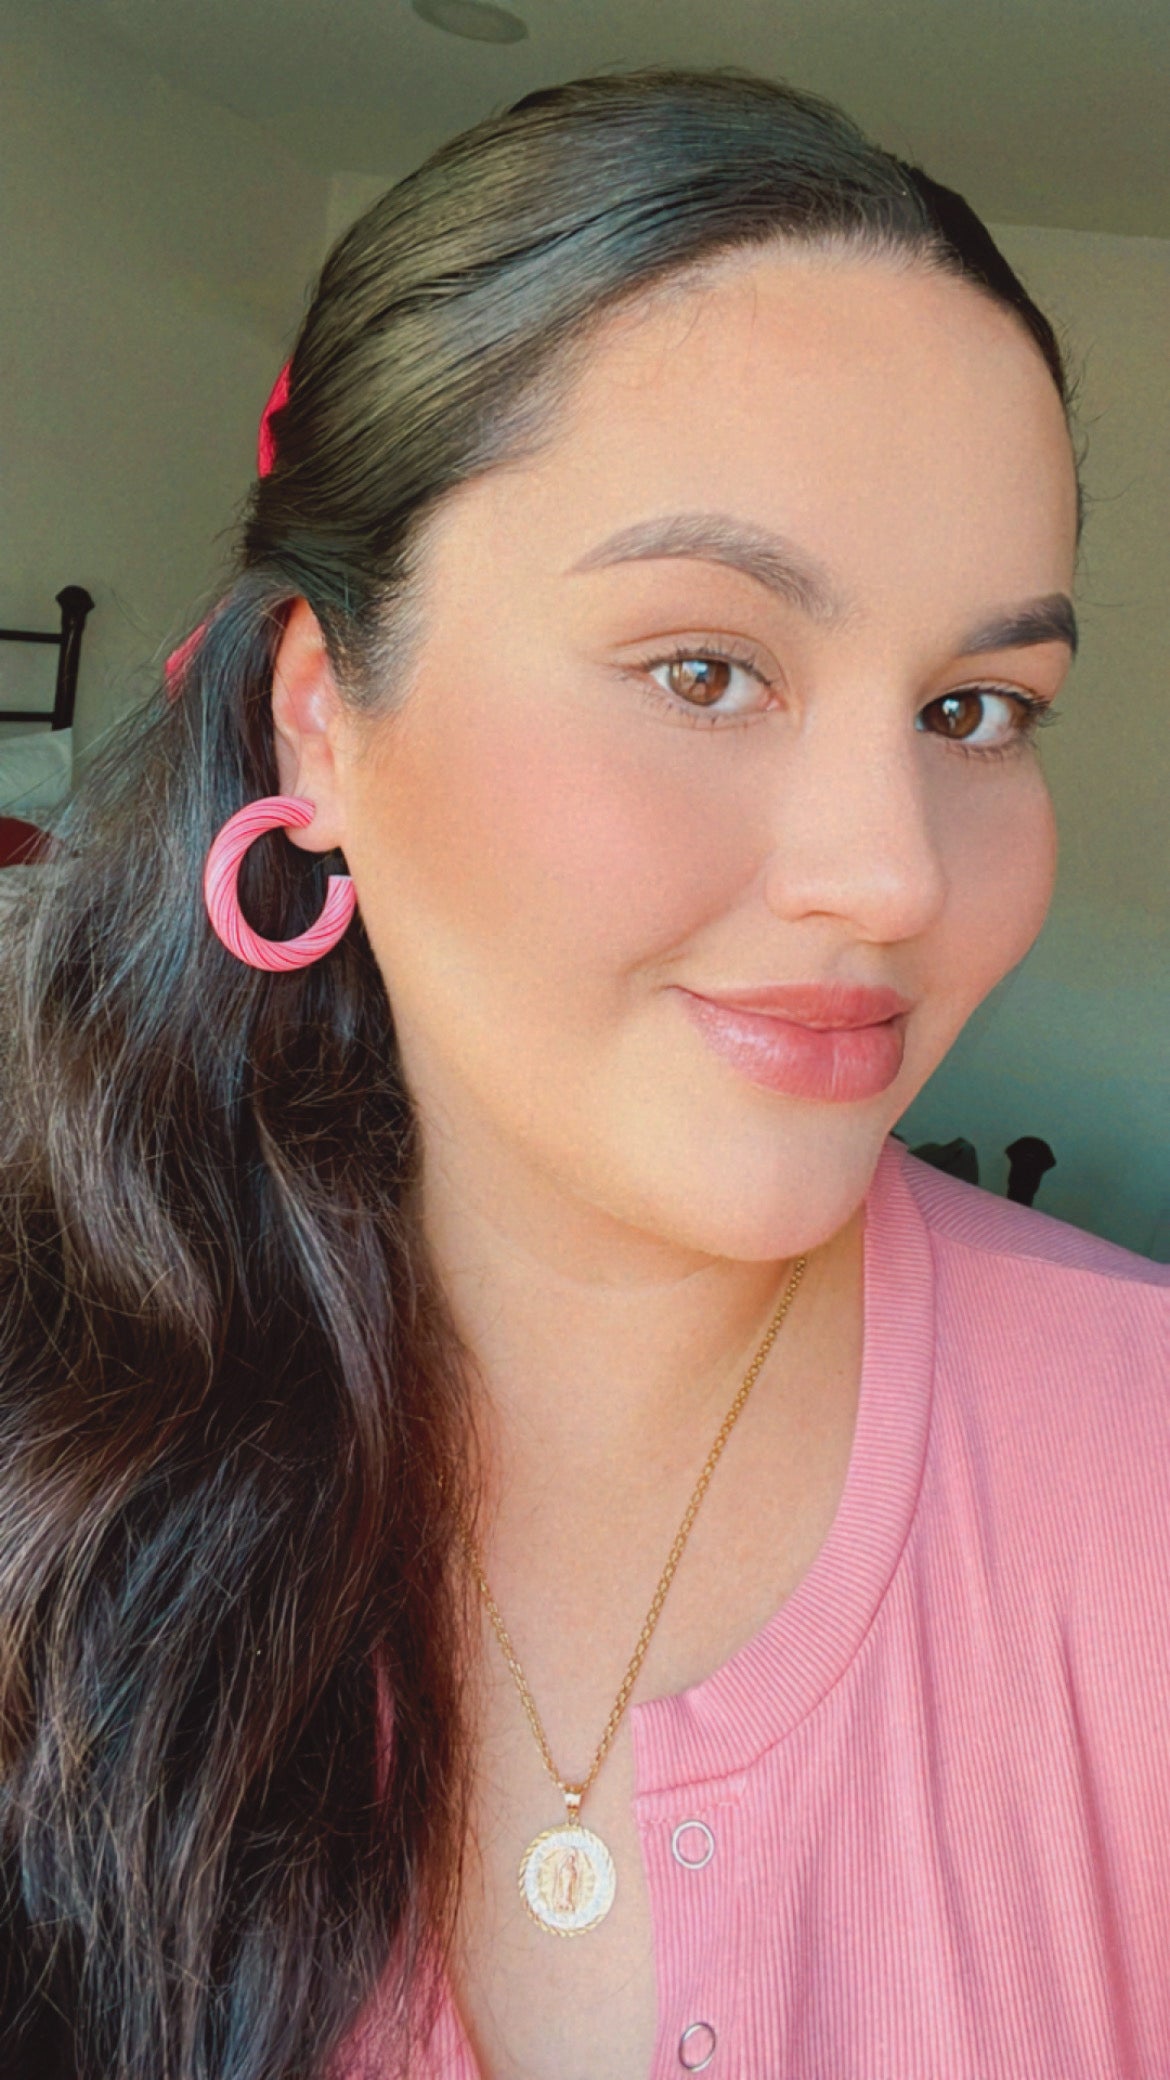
{"x": 265, "y": 457}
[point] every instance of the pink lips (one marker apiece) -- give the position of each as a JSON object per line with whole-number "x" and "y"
{"x": 836, "y": 1041}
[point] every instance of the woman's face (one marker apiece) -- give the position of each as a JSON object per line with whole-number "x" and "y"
{"x": 562, "y": 832}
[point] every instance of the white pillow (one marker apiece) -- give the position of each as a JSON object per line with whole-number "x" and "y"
{"x": 36, "y": 773}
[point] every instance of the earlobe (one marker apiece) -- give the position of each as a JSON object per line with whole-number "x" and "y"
{"x": 307, "y": 711}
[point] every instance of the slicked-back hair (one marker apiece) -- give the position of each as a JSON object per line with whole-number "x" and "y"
{"x": 235, "y": 1436}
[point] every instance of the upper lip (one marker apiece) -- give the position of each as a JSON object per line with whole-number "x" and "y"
{"x": 834, "y": 1004}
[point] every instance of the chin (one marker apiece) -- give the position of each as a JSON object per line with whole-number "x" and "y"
{"x": 755, "y": 1188}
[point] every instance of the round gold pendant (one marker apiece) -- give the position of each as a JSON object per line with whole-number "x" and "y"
{"x": 567, "y": 1879}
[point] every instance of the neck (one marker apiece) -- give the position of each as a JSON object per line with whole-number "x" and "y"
{"x": 598, "y": 1346}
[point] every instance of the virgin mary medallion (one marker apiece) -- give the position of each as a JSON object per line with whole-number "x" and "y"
{"x": 567, "y": 1879}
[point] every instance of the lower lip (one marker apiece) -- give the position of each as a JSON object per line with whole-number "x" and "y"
{"x": 836, "y": 1064}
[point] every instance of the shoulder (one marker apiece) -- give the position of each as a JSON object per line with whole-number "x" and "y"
{"x": 1051, "y": 1351}
{"x": 1040, "y": 1553}
{"x": 996, "y": 1259}
{"x": 1052, "y": 1394}
{"x": 980, "y": 1221}
{"x": 1045, "y": 1314}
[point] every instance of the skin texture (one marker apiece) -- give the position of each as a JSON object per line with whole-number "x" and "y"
{"x": 541, "y": 852}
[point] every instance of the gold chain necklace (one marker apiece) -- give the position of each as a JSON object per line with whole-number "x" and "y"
{"x": 567, "y": 1878}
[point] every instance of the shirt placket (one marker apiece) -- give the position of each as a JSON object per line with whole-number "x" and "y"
{"x": 690, "y": 1849}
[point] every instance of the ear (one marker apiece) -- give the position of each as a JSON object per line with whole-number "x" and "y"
{"x": 309, "y": 719}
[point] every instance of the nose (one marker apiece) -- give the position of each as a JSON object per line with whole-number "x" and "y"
{"x": 856, "y": 829}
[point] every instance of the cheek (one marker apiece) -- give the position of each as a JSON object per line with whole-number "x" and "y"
{"x": 535, "y": 853}
{"x": 1001, "y": 869}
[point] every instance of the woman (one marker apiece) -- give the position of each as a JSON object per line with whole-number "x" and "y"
{"x": 658, "y": 572}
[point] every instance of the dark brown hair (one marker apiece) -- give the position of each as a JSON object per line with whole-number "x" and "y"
{"x": 232, "y": 1405}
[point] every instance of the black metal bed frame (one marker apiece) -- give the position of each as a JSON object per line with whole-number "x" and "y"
{"x": 75, "y": 604}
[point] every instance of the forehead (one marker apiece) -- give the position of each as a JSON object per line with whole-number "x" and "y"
{"x": 899, "y": 423}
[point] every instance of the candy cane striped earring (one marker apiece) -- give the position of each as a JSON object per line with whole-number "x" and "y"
{"x": 220, "y": 875}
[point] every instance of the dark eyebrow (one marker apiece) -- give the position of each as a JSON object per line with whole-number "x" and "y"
{"x": 716, "y": 538}
{"x": 1047, "y": 620}
{"x": 803, "y": 581}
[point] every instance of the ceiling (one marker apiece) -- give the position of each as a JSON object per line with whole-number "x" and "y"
{"x": 1051, "y": 112}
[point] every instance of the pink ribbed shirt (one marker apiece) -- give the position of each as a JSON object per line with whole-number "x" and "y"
{"x": 932, "y": 1797}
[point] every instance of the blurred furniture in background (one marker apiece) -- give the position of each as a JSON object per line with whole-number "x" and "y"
{"x": 75, "y": 604}
{"x": 1028, "y": 1157}
{"x": 958, "y": 1157}
{"x": 36, "y": 770}
{"x": 23, "y": 844}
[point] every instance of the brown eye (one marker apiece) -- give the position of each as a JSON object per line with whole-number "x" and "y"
{"x": 962, "y": 713}
{"x": 704, "y": 684}
{"x": 969, "y": 708}
{"x": 699, "y": 679}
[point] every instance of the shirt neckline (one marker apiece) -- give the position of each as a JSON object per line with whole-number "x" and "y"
{"x": 722, "y": 1725}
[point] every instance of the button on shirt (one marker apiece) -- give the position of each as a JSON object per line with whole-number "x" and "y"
{"x": 919, "y": 1827}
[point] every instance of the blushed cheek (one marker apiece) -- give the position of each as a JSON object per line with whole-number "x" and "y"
{"x": 540, "y": 855}
{"x": 1001, "y": 872}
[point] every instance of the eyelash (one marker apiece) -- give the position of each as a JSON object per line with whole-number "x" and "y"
{"x": 1035, "y": 714}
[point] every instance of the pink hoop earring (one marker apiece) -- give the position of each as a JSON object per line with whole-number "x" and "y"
{"x": 231, "y": 927}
